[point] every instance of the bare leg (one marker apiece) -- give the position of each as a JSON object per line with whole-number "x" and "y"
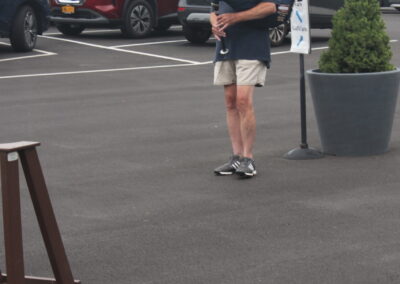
{"x": 244, "y": 104}
{"x": 233, "y": 119}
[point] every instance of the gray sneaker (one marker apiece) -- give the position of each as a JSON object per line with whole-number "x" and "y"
{"x": 247, "y": 168}
{"x": 228, "y": 168}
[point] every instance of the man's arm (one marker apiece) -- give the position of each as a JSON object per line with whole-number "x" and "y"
{"x": 260, "y": 11}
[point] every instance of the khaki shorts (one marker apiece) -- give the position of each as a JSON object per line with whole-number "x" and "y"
{"x": 240, "y": 72}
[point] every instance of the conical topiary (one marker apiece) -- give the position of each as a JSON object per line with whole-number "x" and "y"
{"x": 359, "y": 42}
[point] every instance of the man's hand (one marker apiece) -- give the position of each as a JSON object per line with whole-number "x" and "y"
{"x": 216, "y": 30}
{"x": 218, "y": 33}
{"x": 226, "y": 20}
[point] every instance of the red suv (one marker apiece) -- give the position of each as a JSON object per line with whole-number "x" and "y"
{"x": 136, "y": 18}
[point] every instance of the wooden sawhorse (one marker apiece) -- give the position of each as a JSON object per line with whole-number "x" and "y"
{"x": 9, "y": 155}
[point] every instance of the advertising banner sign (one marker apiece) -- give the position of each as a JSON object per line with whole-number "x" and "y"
{"x": 300, "y": 27}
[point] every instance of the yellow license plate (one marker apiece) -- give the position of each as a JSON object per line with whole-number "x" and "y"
{"x": 68, "y": 9}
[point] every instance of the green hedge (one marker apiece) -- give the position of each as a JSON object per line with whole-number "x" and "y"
{"x": 359, "y": 40}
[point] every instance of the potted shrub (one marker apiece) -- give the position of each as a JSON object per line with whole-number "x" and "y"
{"x": 355, "y": 89}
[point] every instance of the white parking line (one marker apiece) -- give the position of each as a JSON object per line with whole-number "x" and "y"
{"x": 278, "y": 53}
{"x": 44, "y": 53}
{"x": 122, "y": 50}
{"x": 149, "y": 43}
{"x": 98, "y": 71}
{"x": 125, "y": 69}
{"x": 136, "y": 68}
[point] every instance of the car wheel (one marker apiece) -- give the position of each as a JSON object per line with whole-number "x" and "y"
{"x": 70, "y": 29}
{"x": 139, "y": 19}
{"x": 278, "y": 34}
{"x": 196, "y": 34}
{"x": 24, "y": 29}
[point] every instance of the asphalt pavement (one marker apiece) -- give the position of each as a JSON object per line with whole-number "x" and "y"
{"x": 131, "y": 131}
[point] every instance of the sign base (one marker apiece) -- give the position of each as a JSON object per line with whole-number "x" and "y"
{"x": 303, "y": 154}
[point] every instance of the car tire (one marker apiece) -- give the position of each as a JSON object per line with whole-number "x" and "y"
{"x": 139, "y": 19}
{"x": 70, "y": 29}
{"x": 24, "y": 30}
{"x": 278, "y": 34}
{"x": 196, "y": 34}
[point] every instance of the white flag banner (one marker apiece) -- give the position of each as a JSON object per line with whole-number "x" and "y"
{"x": 300, "y": 27}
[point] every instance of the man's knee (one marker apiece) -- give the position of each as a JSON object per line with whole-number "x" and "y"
{"x": 230, "y": 97}
{"x": 244, "y": 103}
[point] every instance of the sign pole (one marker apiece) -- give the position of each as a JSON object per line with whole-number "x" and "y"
{"x": 303, "y": 112}
{"x": 301, "y": 43}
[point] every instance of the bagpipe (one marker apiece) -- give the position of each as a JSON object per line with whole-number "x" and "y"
{"x": 281, "y": 16}
{"x": 215, "y": 9}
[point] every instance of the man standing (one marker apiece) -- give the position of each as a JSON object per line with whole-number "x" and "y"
{"x": 239, "y": 71}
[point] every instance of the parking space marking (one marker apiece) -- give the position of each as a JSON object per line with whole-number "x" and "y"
{"x": 279, "y": 52}
{"x": 43, "y": 53}
{"x": 133, "y": 68}
{"x": 126, "y": 69}
{"x": 316, "y": 48}
{"x": 99, "y": 71}
{"x": 150, "y": 43}
{"x": 122, "y": 50}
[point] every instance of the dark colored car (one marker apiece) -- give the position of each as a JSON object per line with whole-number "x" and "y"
{"x": 194, "y": 17}
{"x": 384, "y": 3}
{"x": 394, "y": 4}
{"x": 22, "y": 21}
{"x": 136, "y": 18}
{"x": 390, "y": 3}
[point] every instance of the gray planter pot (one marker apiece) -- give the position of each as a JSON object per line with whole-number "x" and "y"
{"x": 354, "y": 112}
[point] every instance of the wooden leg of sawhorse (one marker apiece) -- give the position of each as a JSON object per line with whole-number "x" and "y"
{"x": 12, "y": 219}
{"x": 45, "y": 215}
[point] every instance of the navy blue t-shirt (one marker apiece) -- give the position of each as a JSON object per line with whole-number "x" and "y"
{"x": 244, "y": 41}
